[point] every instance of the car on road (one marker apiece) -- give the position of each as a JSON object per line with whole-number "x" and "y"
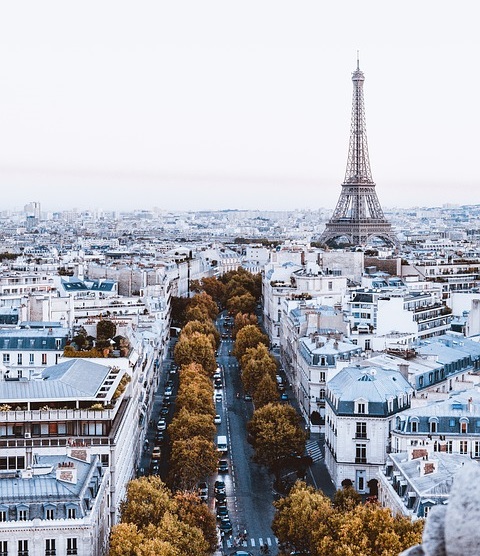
{"x": 218, "y": 419}
{"x": 218, "y": 373}
{"x": 218, "y": 383}
{"x": 161, "y": 425}
{"x": 222, "y": 466}
{"x": 218, "y": 398}
{"x": 284, "y": 397}
{"x": 222, "y": 511}
{"x": 247, "y": 398}
{"x": 168, "y": 391}
{"x": 242, "y": 553}
{"x": 219, "y": 487}
{"x": 157, "y": 452}
{"x": 155, "y": 469}
{"x": 160, "y": 436}
{"x": 226, "y": 526}
{"x": 164, "y": 410}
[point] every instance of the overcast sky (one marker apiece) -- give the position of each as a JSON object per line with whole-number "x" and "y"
{"x": 235, "y": 104}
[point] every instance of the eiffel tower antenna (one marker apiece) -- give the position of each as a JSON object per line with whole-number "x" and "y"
{"x": 358, "y": 216}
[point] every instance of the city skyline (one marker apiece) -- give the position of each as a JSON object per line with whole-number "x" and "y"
{"x": 214, "y": 106}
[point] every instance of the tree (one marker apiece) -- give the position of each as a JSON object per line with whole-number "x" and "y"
{"x": 188, "y": 539}
{"x": 256, "y": 363}
{"x": 147, "y": 500}
{"x": 308, "y": 522}
{"x": 206, "y": 301}
{"x": 346, "y": 498}
{"x": 196, "y": 399}
{"x": 194, "y": 512}
{"x": 191, "y": 460}
{"x": 187, "y": 424}
{"x": 198, "y": 313}
{"x": 125, "y": 538}
{"x": 265, "y": 391}
{"x": 248, "y": 337}
{"x": 241, "y": 320}
{"x": 179, "y": 306}
{"x": 106, "y": 329}
{"x": 204, "y": 327}
{"x": 195, "y": 373}
{"x": 244, "y": 303}
{"x": 298, "y": 515}
{"x": 196, "y": 348}
{"x": 214, "y": 288}
{"x": 276, "y": 434}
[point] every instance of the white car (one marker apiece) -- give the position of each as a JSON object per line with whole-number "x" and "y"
{"x": 218, "y": 419}
{"x": 218, "y": 398}
{"x": 161, "y": 425}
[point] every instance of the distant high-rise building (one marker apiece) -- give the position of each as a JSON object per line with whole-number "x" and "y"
{"x": 358, "y": 216}
{"x": 32, "y": 209}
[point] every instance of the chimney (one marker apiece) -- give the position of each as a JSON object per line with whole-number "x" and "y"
{"x": 403, "y": 368}
{"x": 67, "y": 472}
{"x": 427, "y": 467}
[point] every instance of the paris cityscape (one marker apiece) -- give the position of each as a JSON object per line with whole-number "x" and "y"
{"x": 218, "y": 338}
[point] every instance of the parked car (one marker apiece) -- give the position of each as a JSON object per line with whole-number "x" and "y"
{"x": 161, "y": 425}
{"x": 164, "y": 410}
{"x": 247, "y": 398}
{"x": 219, "y": 487}
{"x": 218, "y": 383}
{"x": 160, "y": 436}
{"x": 284, "y": 397}
{"x": 218, "y": 419}
{"x": 168, "y": 391}
{"x": 218, "y": 398}
{"x": 203, "y": 490}
{"x": 222, "y": 466}
{"x": 157, "y": 452}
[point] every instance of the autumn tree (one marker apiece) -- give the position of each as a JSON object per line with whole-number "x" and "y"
{"x": 276, "y": 434}
{"x": 194, "y": 373}
{"x": 205, "y": 327}
{"x": 198, "y": 313}
{"x": 193, "y": 511}
{"x": 346, "y": 498}
{"x": 214, "y": 288}
{"x": 196, "y": 348}
{"x": 178, "y": 307}
{"x": 244, "y": 303}
{"x": 256, "y": 363}
{"x": 191, "y": 460}
{"x": 265, "y": 391}
{"x": 196, "y": 399}
{"x": 308, "y": 522}
{"x": 248, "y": 337}
{"x": 106, "y": 329}
{"x": 204, "y": 300}
{"x": 241, "y": 320}
{"x": 187, "y": 424}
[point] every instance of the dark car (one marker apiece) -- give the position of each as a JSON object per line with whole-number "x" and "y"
{"x": 160, "y": 436}
{"x": 164, "y": 411}
{"x": 284, "y": 397}
{"x": 222, "y": 466}
{"x": 226, "y": 526}
{"x": 220, "y": 498}
{"x": 247, "y": 398}
{"x": 203, "y": 491}
{"x": 222, "y": 512}
{"x": 219, "y": 487}
{"x": 218, "y": 383}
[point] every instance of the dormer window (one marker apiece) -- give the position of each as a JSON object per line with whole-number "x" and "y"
{"x": 463, "y": 425}
{"x": 433, "y": 421}
{"x": 361, "y": 407}
{"x": 22, "y": 513}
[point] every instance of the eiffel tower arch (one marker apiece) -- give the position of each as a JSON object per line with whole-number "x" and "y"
{"x": 358, "y": 216}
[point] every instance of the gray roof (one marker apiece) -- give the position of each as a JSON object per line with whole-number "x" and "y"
{"x": 22, "y": 339}
{"x": 73, "y": 379}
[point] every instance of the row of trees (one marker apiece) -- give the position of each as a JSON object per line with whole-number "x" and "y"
{"x": 157, "y": 522}
{"x": 308, "y": 522}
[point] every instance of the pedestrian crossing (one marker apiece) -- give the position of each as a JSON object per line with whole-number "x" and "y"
{"x": 313, "y": 450}
{"x": 252, "y": 542}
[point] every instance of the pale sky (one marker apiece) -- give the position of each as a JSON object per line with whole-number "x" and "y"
{"x": 208, "y": 104}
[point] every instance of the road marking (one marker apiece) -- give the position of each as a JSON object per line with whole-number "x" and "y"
{"x": 252, "y": 541}
{"x": 269, "y": 541}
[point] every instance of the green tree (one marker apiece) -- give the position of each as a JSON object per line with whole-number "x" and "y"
{"x": 248, "y": 337}
{"x": 196, "y": 348}
{"x": 186, "y": 424}
{"x": 191, "y": 460}
{"x": 276, "y": 434}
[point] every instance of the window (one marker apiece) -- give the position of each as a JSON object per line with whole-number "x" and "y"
{"x": 22, "y": 514}
{"x": 49, "y": 513}
{"x": 322, "y": 376}
{"x": 71, "y": 513}
{"x": 50, "y": 547}
{"x": 433, "y": 427}
{"x": 361, "y": 407}
{"x": 414, "y": 426}
{"x": 361, "y": 431}
{"x": 330, "y": 286}
{"x": 426, "y": 510}
{"x": 3, "y": 548}
{"x": 322, "y": 393}
{"x": 476, "y": 449}
{"x": 367, "y": 344}
{"x": 19, "y": 359}
{"x": 71, "y": 546}
{"x": 360, "y": 453}
{"x": 450, "y": 447}
{"x": 463, "y": 427}
{"x": 463, "y": 447}
{"x": 452, "y": 422}
{"x": 44, "y": 358}
{"x": 32, "y": 359}
{"x": 6, "y": 358}
{"x": 22, "y": 548}
{"x": 3, "y": 515}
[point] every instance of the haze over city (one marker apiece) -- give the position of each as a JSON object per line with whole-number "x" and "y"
{"x": 211, "y": 105}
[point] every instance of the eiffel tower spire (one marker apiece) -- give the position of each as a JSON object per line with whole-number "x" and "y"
{"x": 358, "y": 215}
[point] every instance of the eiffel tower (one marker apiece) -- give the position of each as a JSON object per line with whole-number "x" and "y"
{"x": 358, "y": 215}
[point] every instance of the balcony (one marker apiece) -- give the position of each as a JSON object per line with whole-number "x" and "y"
{"x": 37, "y": 415}
{"x": 360, "y": 460}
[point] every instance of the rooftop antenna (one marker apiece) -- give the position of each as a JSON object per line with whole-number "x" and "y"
{"x": 358, "y": 61}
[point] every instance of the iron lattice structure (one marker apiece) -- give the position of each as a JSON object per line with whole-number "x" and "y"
{"x": 358, "y": 215}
